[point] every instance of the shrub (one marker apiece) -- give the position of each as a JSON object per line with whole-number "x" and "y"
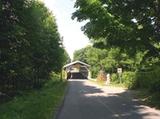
{"x": 155, "y": 86}
{"x": 142, "y": 80}
{"x": 35, "y": 104}
{"x": 128, "y": 79}
{"x": 114, "y": 78}
{"x": 148, "y": 80}
{"x": 101, "y": 76}
{"x": 55, "y": 76}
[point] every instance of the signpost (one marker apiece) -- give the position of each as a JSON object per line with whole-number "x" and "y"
{"x": 119, "y": 71}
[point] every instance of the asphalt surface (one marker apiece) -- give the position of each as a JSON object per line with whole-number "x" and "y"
{"x": 85, "y": 100}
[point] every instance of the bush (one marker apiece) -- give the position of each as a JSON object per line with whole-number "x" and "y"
{"x": 128, "y": 79}
{"x": 148, "y": 80}
{"x": 155, "y": 86}
{"x": 101, "y": 76}
{"x": 31, "y": 49}
{"x": 114, "y": 78}
{"x": 55, "y": 76}
{"x": 142, "y": 80}
{"x": 35, "y": 104}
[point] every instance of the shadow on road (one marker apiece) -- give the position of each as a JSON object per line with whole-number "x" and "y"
{"x": 86, "y": 101}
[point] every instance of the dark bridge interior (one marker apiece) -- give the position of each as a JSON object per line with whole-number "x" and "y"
{"x": 76, "y": 75}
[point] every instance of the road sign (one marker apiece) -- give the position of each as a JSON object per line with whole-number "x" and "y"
{"x": 119, "y": 70}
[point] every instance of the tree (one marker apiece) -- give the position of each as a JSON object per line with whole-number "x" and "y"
{"x": 107, "y": 59}
{"x": 31, "y": 45}
{"x": 128, "y": 24}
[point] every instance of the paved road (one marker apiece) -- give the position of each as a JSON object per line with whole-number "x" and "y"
{"x": 85, "y": 100}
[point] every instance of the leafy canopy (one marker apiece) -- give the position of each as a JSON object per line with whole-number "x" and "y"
{"x": 30, "y": 45}
{"x": 128, "y": 24}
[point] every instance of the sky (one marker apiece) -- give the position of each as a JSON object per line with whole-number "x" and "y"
{"x": 70, "y": 30}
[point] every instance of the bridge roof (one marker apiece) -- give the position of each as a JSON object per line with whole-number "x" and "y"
{"x": 76, "y": 62}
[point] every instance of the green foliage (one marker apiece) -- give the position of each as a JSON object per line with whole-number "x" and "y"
{"x": 155, "y": 86}
{"x": 108, "y": 59}
{"x": 130, "y": 29}
{"x": 132, "y": 25}
{"x": 30, "y": 45}
{"x": 35, "y": 104}
{"x": 91, "y": 56}
{"x": 55, "y": 76}
{"x": 128, "y": 79}
{"x": 149, "y": 98}
{"x": 148, "y": 80}
{"x": 114, "y": 78}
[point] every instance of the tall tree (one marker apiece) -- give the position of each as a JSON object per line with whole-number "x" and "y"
{"x": 107, "y": 59}
{"x": 130, "y": 24}
{"x": 30, "y": 43}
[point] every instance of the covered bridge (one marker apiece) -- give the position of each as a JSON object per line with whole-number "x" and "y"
{"x": 77, "y": 70}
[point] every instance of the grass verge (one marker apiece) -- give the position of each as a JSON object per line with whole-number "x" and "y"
{"x": 114, "y": 84}
{"x": 147, "y": 98}
{"x": 35, "y": 104}
{"x": 103, "y": 83}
